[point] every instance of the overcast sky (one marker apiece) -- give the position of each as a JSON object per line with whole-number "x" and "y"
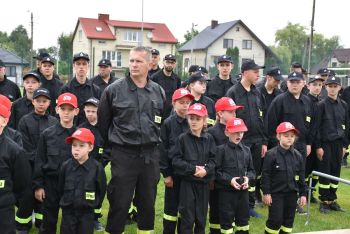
{"x": 263, "y": 17}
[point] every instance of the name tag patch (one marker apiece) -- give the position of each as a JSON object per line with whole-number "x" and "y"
{"x": 100, "y": 150}
{"x": 2, "y": 184}
{"x": 343, "y": 126}
{"x": 210, "y": 121}
{"x": 90, "y": 196}
{"x": 157, "y": 119}
{"x": 308, "y": 119}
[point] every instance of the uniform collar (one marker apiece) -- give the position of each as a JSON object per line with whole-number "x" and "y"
{"x": 179, "y": 119}
{"x": 75, "y": 82}
{"x": 241, "y": 90}
{"x": 132, "y": 85}
{"x": 3, "y": 81}
{"x": 283, "y": 151}
{"x": 86, "y": 165}
{"x": 203, "y": 135}
{"x": 61, "y": 130}
{"x": 37, "y": 116}
{"x": 331, "y": 100}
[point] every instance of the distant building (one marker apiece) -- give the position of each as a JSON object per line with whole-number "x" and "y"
{"x": 213, "y": 41}
{"x": 14, "y": 65}
{"x": 113, "y": 39}
{"x": 339, "y": 58}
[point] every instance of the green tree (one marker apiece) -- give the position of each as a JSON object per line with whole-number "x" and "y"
{"x": 285, "y": 55}
{"x": 323, "y": 47}
{"x": 234, "y": 53}
{"x": 65, "y": 53}
{"x": 5, "y": 42}
{"x": 21, "y": 42}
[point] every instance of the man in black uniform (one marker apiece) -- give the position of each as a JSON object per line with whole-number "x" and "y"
{"x": 323, "y": 73}
{"x": 80, "y": 85}
{"x": 8, "y": 87}
{"x": 245, "y": 94}
{"x": 105, "y": 77}
{"x": 129, "y": 118}
{"x": 222, "y": 82}
{"x": 15, "y": 175}
{"x": 168, "y": 80}
{"x": 155, "y": 60}
{"x": 50, "y": 81}
{"x": 39, "y": 58}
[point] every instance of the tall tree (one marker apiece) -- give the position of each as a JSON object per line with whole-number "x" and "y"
{"x": 234, "y": 53}
{"x": 65, "y": 53}
{"x": 5, "y": 42}
{"x": 21, "y": 42}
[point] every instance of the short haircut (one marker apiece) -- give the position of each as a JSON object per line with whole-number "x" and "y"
{"x": 143, "y": 49}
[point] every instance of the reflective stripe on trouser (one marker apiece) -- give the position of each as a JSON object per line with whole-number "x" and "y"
{"x": 242, "y": 228}
{"x": 214, "y": 224}
{"x": 23, "y": 220}
{"x": 286, "y": 229}
{"x": 330, "y": 164}
{"x": 281, "y": 211}
{"x": 226, "y": 231}
{"x": 38, "y": 216}
{"x": 171, "y": 202}
{"x": 145, "y": 231}
{"x": 170, "y": 218}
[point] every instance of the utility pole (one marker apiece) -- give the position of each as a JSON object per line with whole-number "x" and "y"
{"x": 31, "y": 40}
{"x": 311, "y": 36}
{"x": 192, "y": 34}
{"x": 141, "y": 39}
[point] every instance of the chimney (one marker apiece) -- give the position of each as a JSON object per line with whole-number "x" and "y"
{"x": 103, "y": 17}
{"x": 214, "y": 23}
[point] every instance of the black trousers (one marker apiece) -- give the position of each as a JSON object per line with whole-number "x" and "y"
{"x": 7, "y": 221}
{"x": 193, "y": 207}
{"x": 255, "y": 150}
{"x": 281, "y": 212}
{"x": 330, "y": 164}
{"x": 171, "y": 202}
{"x": 132, "y": 171}
{"x": 214, "y": 222}
{"x": 50, "y": 206}
{"x": 77, "y": 222}
{"x": 311, "y": 165}
{"x": 234, "y": 207}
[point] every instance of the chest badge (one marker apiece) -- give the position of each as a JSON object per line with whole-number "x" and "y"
{"x": 157, "y": 119}
{"x": 90, "y": 196}
{"x": 2, "y": 184}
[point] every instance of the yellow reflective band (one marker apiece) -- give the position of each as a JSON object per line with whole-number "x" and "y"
{"x": 343, "y": 126}
{"x": 90, "y": 196}
{"x": 296, "y": 177}
{"x": 132, "y": 208}
{"x": 251, "y": 189}
{"x": 260, "y": 113}
{"x": 308, "y": 119}
{"x": 157, "y": 119}
{"x": 242, "y": 228}
{"x": 214, "y": 226}
{"x": 145, "y": 231}
{"x": 39, "y": 216}
{"x": 98, "y": 211}
{"x": 259, "y": 177}
{"x": 170, "y": 218}
{"x": 315, "y": 177}
{"x": 23, "y": 221}
{"x": 324, "y": 186}
{"x": 226, "y": 231}
{"x": 210, "y": 121}
{"x": 2, "y": 183}
{"x": 179, "y": 215}
{"x": 285, "y": 229}
{"x": 306, "y": 179}
{"x": 333, "y": 186}
{"x": 269, "y": 230}
{"x": 100, "y": 150}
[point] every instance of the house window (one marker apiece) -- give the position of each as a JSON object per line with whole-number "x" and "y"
{"x": 334, "y": 64}
{"x": 106, "y": 54}
{"x": 132, "y": 36}
{"x": 247, "y": 44}
{"x": 228, "y": 43}
{"x": 101, "y": 42}
{"x": 11, "y": 71}
{"x": 80, "y": 35}
{"x": 119, "y": 59}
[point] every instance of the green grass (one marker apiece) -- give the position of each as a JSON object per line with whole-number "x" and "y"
{"x": 318, "y": 221}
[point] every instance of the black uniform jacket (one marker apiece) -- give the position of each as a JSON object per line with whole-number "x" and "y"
{"x": 15, "y": 172}
{"x": 128, "y": 115}
{"x": 54, "y": 86}
{"x": 51, "y": 153}
{"x": 20, "y": 108}
{"x": 252, "y": 113}
{"x": 233, "y": 160}
{"x": 31, "y": 126}
{"x": 191, "y": 151}
{"x": 170, "y": 131}
{"x": 82, "y": 186}
{"x": 153, "y": 71}
{"x": 283, "y": 171}
{"x": 332, "y": 121}
{"x": 83, "y": 92}
{"x": 267, "y": 98}
{"x": 101, "y": 151}
{"x": 218, "y": 133}
{"x": 286, "y": 108}
{"x": 10, "y": 89}
{"x": 217, "y": 88}
{"x": 97, "y": 80}
{"x": 169, "y": 84}
{"x": 14, "y": 135}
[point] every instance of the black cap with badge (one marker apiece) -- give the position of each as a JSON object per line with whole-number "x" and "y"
{"x": 105, "y": 63}
{"x": 41, "y": 92}
{"x": 170, "y": 57}
{"x": 295, "y": 76}
{"x": 323, "y": 72}
{"x": 224, "y": 58}
{"x": 250, "y": 64}
{"x": 296, "y": 65}
{"x": 93, "y": 101}
{"x": 81, "y": 55}
{"x": 197, "y": 76}
{"x": 41, "y": 55}
{"x": 275, "y": 72}
{"x": 155, "y": 51}
{"x": 48, "y": 59}
{"x": 32, "y": 74}
{"x": 313, "y": 79}
{"x": 333, "y": 80}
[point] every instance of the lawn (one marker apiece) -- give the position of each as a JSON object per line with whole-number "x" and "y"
{"x": 318, "y": 221}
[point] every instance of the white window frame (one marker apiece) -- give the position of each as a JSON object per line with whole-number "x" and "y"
{"x": 132, "y": 36}
{"x": 227, "y": 40}
{"x": 247, "y": 44}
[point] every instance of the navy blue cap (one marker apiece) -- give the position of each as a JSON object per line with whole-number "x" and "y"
{"x": 333, "y": 80}
{"x": 193, "y": 68}
{"x": 155, "y": 51}
{"x": 250, "y": 64}
{"x": 32, "y": 74}
{"x": 41, "y": 55}
{"x": 275, "y": 72}
{"x": 313, "y": 79}
{"x": 323, "y": 72}
{"x": 105, "y": 62}
{"x": 41, "y": 92}
{"x": 224, "y": 58}
{"x": 170, "y": 57}
{"x": 48, "y": 59}
{"x": 197, "y": 76}
{"x": 94, "y": 101}
{"x": 81, "y": 55}
{"x": 203, "y": 69}
{"x": 295, "y": 76}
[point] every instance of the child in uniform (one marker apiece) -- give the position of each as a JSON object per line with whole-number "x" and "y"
{"x": 282, "y": 179}
{"x": 225, "y": 109}
{"x": 194, "y": 162}
{"x": 233, "y": 172}
{"x": 82, "y": 185}
{"x": 51, "y": 153}
{"x": 172, "y": 127}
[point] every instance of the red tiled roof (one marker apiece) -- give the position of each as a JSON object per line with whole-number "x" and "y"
{"x": 160, "y": 32}
{"x": 89, "y": 27}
